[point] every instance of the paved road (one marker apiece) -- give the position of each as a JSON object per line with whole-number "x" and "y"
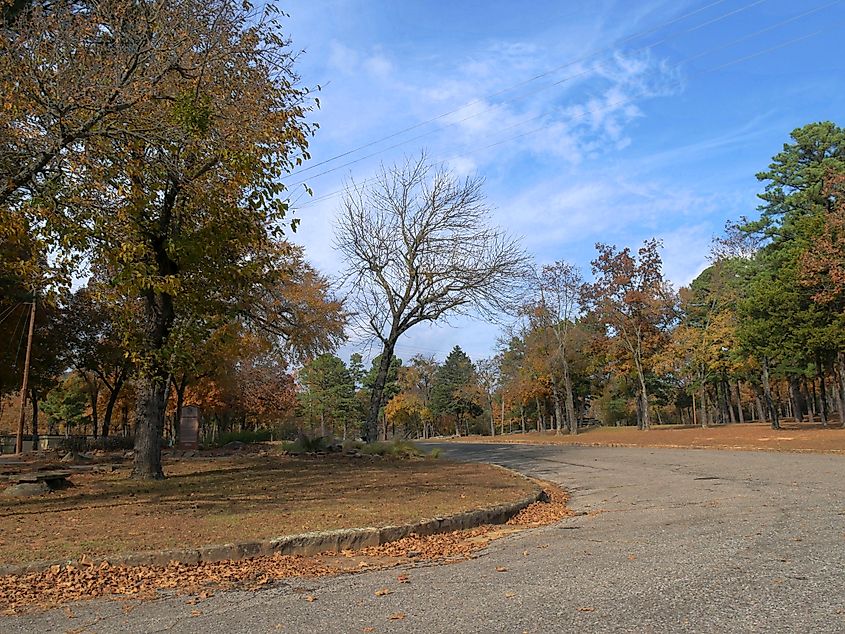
{"x": 681, "y": 541}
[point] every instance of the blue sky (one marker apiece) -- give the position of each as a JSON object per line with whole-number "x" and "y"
{"x": 651, "y": 118}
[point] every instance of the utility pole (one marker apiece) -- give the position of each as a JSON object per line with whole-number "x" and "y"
{"x": 25, "y": 381}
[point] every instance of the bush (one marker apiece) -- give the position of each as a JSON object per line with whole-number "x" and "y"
{"x": 305, "y": 444}
{"x": 246, "y": 436}
{"x": 396, "y": 449}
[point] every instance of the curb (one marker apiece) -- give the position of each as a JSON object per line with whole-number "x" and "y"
{"x": 303, "y": 544}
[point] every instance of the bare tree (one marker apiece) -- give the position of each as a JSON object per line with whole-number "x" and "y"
{"x": 561, "y": 287}
{"x": 419, "y": 247}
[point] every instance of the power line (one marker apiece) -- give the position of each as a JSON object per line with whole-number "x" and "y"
{"x": 519, "y": 84}
{"x": 9, "y": 311}
{"x": 631, "y": 98}
{"x": 512, "y": 99}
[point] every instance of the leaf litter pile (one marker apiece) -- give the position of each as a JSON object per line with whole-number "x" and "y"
{"x": 63, "y": 584}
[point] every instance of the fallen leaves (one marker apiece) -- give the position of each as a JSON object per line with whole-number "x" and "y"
{"x": 381, "y": 592}
{"x": 396, "y": 616}
{"x": 64, "y": 584}
{"x": 548, "y": 512}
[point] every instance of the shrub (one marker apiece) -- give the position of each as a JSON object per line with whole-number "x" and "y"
{"x": 246, "y": 436}
{"x": 306, "y": 444}
{"x": 396, "y": 449}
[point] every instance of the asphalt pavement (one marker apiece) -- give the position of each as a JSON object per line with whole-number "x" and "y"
{"x": 673, "y": 541}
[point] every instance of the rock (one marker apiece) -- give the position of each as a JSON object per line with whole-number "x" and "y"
{"x": 413, "y": 553}
{"x": 27, "y": 489}
{"x": 72, "y": 456}
{"x": 235, "y": 444}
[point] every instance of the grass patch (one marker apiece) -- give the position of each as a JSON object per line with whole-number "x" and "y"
{"x": 243, "y": 498}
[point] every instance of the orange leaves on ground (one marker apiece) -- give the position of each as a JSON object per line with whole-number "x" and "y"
{"x": 548, "y": 512}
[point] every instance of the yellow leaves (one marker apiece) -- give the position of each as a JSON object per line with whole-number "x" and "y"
{"x": 396, "y": 616}
{"x": 381, "y": 592}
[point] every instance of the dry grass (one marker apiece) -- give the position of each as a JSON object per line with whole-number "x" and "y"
{"x": 208, "y": 501}
{"x": 748, "y": 436}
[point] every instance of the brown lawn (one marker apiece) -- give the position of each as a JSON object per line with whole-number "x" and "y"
{"x": 748, "y": 436}
{"x": 210, "y": 501}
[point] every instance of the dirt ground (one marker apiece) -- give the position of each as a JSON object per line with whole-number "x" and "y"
{"x": 236, "y": 498}
{"x": 747, "y": 436}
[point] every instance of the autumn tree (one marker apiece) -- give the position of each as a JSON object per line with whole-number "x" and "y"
{"x": 152, "y": 138}
{"x": 419, "y": 247}
{"x": 634, "y": 303}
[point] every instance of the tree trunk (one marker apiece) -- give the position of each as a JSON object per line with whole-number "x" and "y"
{"x": 646, "y": 422}
{"x": 795, "y": 399}
{"x": 558, "y": 409}
{"x": 767, "y": 391}
{"x": 541, "y": 421}
{"x": 739, "y": 411}
{"x": 492, "y": 416}
{"x": 570, "y": 401}
{"x": 149, "y": 420}
{"x": 180, "y": 403}
{"x": 809, "y": 401}
{"x": 705, "y": 421}
{"x": 758, "y": 403}
{"x": 726, "y": 388}
{"x": 371, "y": 431}
{"x": 112, "y": 401}
{"x": 94, "y": 395}
{"x": 34, "y": 399}
{"x": 822, "y": 390}
{"x": 502, "y": 426}
{"x": 153, "y": 385}
{"x": 840, "y": 364}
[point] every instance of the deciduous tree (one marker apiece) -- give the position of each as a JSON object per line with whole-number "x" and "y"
{"x": 419, "y": 247}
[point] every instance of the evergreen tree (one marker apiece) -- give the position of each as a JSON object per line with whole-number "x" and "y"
{"x": 453, "y": 393}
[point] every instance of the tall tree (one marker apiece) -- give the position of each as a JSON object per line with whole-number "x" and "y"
{"x": 331, "y": 391}
{"x": 454, "y": 393}
{"x": 781, "y": 321}
{"x": 419, "y": 247}
{"x": 561, "y": 286}
{"x": 635, "y": 305}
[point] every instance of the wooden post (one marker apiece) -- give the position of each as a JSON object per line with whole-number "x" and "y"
{"x": 25, "y": 381}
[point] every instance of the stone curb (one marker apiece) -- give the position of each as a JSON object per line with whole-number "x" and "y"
{"x": 303, "y": 544}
